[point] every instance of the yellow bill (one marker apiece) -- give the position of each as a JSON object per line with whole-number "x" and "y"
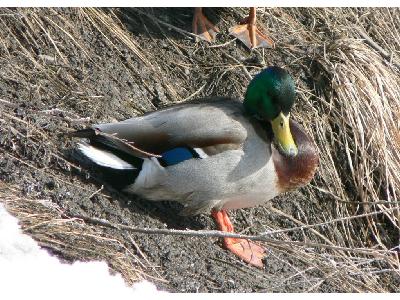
{"x": 283, "y": 136}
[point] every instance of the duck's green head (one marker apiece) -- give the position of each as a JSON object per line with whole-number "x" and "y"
{"x": 270, "y": 97}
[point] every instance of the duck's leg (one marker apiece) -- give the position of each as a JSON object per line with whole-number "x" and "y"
{"x": 245, "y": 249}
{"x": 202, "y": 26}
{"x": 249, "y": 34}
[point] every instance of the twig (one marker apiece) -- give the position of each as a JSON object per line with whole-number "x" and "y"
{"x": 331, "y": 221}
{"x": 248, "y": 75}
{"x": 222, "y": 45}
{"x": 194, "y": 94}
{"x": 5, "y": 102}
{"x": 378, "y": 48}
{"x": 220, "y": 234}
{"x": 126, "y": 143}
{"x": 353, "y": 201}
{"x": 145, "y": 258}
{"x": 96, "y": 192}
{"x": 55, "y": 111}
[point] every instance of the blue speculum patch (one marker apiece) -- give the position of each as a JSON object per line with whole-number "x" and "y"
{"x": 177, "y": 155}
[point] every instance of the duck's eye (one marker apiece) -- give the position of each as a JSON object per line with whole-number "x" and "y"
{"x": 281, "y": 124}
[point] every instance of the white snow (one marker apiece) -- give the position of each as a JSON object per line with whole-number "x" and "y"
{"x": 29, "y": 272}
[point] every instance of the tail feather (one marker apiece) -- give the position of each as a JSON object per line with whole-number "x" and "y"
{"x": 103, "y": 157}
{"x": 117, "y": 169}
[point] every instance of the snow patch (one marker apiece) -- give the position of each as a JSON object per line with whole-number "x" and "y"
{"x": 29, "y": 272}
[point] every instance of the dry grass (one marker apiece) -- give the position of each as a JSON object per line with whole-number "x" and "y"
{"x": 349, "y": 99}
{"x": 354, "y": 103}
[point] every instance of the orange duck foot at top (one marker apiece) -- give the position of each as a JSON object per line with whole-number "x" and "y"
{"x": 246, "y": 31}
{"x": 203, "y": 27}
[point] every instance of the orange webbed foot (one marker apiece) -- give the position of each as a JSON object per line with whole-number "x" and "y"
{"x": 202, "y": 27}
{"x": 249, "y": 34}
{"x": 248, "y": 251}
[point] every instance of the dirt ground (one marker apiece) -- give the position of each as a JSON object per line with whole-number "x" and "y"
{"x": 63, "y": 69}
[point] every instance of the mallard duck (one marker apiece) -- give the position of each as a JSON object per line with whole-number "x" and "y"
{"x": 212, "y": 154}
{"x": 246, "y": 31}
